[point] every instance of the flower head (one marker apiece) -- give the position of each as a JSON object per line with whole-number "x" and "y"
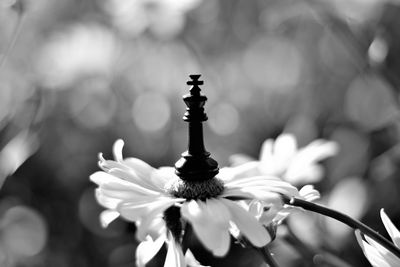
{"x": 284, "y": 159}
{"x": 160, "y": 204}
{"x": 376, "y": 254}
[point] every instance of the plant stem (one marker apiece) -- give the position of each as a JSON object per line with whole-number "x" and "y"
{"x": 266, "y": 254}
{"x": 344, "y": 219}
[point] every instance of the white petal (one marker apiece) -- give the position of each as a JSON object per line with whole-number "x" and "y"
{"x": 239, "y": 159}
{"x": 256, "y": 208}
{"x": 266, "y": 151}
{"x": 390, "y": 228}
{"x": 263, "y": 183}
{"x": 244, "y": 170}
{"x": 210, "y": 221}
{"x": 252, "y": 193}
{"x": 247, "y": 224}
{"x": 282, "y": 214}
{"x": 135, "y": 210}
{"x": 285, "y": 147}
{"x": 191, "y": 260}
{"x": 117, "y": 149}
{"x": 359, "y": 239}
{"x": 374, "y": 257}
{"x": 108, "y": 216}
{"x": 318, "y": 150}
{"x": 131, "y": 176}
{"x": 376, "y": 254}
{"x": 139, "y": 166}
{"x": 271, "y": 215}
{"x": 162, "y": 176}
{"x": 106, "y": 165}
{"x": 370, "y": 253}
{"x": 175, "y": 256}
{"x": 106, "y": 201}
{"x": 147, "y": 250}
{"x": 112, "y": 183}
{"x": 308, "y": 193}
{"x": 385, "y": 254}
{"x": 303, "y": 172}
{"x": 152, "y": 224}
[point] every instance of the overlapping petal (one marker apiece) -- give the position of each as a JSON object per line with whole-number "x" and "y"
{"x": 108, "y": 216}
{"x": 390, "y": 228}
{"x": 148, "y": 249}
{"x": 210, "y": 221}
{"x": 266, "y": 184}
{"x": 376, "y": 254}
{"x": 124, "y": 189}
{"x": 175, "y": 256}
{"x": 135, "y": 210}
{"x": 247, "y": 224}
{"x": 152, "y": 225}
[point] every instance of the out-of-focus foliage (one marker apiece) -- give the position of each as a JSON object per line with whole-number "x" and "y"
{"x": 84, "y": 73}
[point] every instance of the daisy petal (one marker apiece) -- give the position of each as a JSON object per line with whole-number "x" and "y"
{"x": 142, "y": 169}
{"x": 132, "y": 177}
{"x": 210, "y": 221}
{"x": 112, "y": 183}
{"x": 247, "y": 224}
{"x": 106, "y": 201}
{"x": 147, "y": 250}
{"x": 374, "y": 257}
{"x": 162, "y": 176}
{"x": 285, "y": 147}
{"x": 302, "y": 172}
{"x": 390, "y": 228}
{"x": 308, "y": 193}
{"x": 106, "y": 165}
{"x": 251, "y": 193}
{"x": 266, "y": 153}
{"x": 175, "y": 256}
{"x": 108, "y": 216}
{"x": 267, "y": 183}
{"x": 318, "y": 150}
{"x": 376, "y": 254}
{"x": 243, "y": 170}
{"x": 134, "y": 211}
{"x": 384, "y": 254}
{"x": 191, "y": 260}
{"x": 117, "y": 150}
{"x": 152, "y": 224}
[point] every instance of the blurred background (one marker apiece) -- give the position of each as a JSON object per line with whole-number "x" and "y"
{"x": 81, "y": 74}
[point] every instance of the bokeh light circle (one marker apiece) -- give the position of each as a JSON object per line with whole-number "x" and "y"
{"x": 224, "y": 118}
{"x": 273, "y": 63}
{"x": 151, "y": 112}
{"x": 24, "y": 231}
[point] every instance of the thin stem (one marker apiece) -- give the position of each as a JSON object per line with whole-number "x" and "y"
{"x": 266, "y": 254}
{"x": 344, "y": 219}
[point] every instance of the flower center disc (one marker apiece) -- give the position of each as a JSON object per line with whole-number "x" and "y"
{"x": 196, "y": 189}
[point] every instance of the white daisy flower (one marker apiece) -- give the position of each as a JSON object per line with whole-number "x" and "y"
{"x": 284, "y": 159}
{"x": 161, "y": 203}
{"x": 376, "y": 254}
